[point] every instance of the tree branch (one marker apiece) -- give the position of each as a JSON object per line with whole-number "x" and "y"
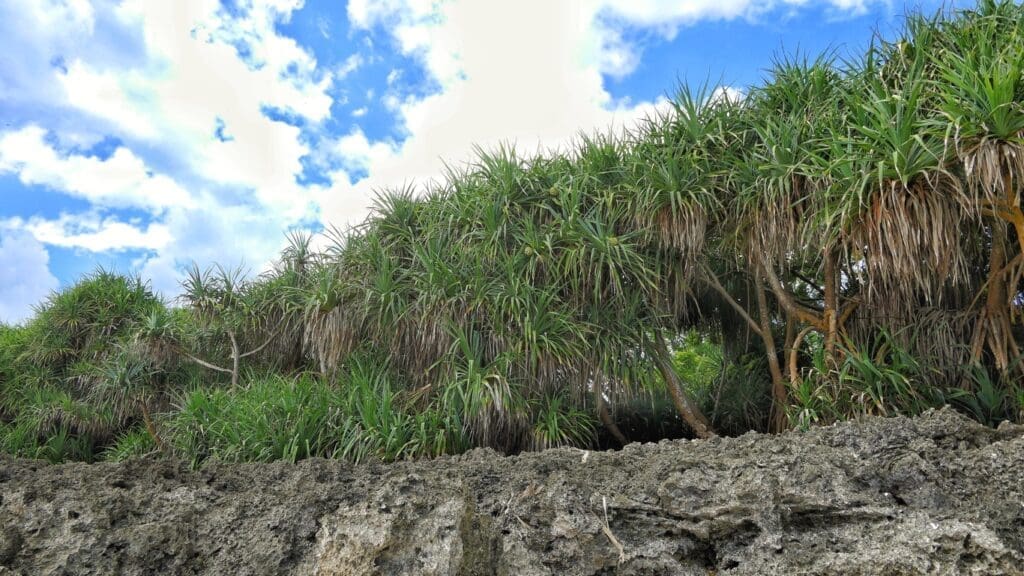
{"x": 810, "y": 283}
{"x": 799, "y": 311}
{"x": 203, "y": 363}
{"x": 276, "y": 332}
{"x": 712, "y": 280}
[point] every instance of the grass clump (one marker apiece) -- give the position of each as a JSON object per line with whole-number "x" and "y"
{"x": 272, "y": 418}
{"x": 137, "y": 443}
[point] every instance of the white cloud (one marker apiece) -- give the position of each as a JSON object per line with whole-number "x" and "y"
{"x": 618, "y": 58}
{"x": 360, "y": 112}
{"x": 93, "y": 232}
{"x": 198, "y": 70}
{"x": 366, "y": 13}
{"x": 728, "y": 93}
{"x": 36, "y": 34}
{"x": 25, "y": 277}
{"x": 205, "y": 71}
{"x": 123, "y": 180}
{"x": 668, "y": 15}
{"x": 106, "y": 95}
{"x": 356, "y": 152}
{"x": 205, "y": 67}
{"x": 350, "y": 65}
{"x": 539, "y": 89}
{"x": 231, "y": 235}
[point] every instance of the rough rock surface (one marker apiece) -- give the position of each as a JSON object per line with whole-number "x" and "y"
{"x": 935, "y": 495}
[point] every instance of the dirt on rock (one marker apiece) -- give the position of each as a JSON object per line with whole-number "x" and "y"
{"x": 934, "y": 495}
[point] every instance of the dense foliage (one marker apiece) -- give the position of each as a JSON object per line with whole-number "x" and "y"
{"x": 845, "y": 239}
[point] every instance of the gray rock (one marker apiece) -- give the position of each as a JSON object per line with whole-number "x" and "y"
{"x": 935, "y": 495}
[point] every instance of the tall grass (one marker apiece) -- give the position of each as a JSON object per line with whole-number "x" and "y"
{"x": 271, "y": 418}
{"x": 359, "y": 417}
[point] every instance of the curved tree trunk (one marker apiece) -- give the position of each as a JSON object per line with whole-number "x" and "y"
{"x": 831, "y": 312}
{"x": 794, "y": 356}
{"x": 780, "y": 398}
{"x": 685, "y": 405}
{"x": 236, "y": 357}
{"x": 993, "y": 328}
{"x": 606, "y": 418}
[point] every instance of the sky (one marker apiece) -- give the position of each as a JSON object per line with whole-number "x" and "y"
{"x": 144, "y": 135}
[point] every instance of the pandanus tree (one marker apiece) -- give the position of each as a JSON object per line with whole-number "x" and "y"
{"x": 514, "y": 281}
{"x": 924, "y": 191}
{"x": 902, "y": 203}
{"x": 681, "y": 192}
{"x": 131, "y": 384}
{"x": 230, "y": 317}
{"x": 737, "y": 198}
{"x": 776, "y": 210}
{"x": 77, "y": 347}
{"x": 222, "y": 311}
{"x": 979, "y": 86}
{"x": 277, "y": 304}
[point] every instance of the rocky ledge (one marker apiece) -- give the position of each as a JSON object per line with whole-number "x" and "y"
{"x": 934, "y": 495}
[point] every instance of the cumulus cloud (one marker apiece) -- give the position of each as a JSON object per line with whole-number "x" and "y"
{"x": 93, "y": 232}
{"x": 538, "y": 89}
{"x": 25, "y": 277}
{"x": 207, "y": 69}
{"x": 122, "y": 180}
{"x": 204, "y": 73}
{"x": 350, "y": 65}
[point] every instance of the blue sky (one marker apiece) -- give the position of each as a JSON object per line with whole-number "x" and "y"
{"x": 142, "y": 135}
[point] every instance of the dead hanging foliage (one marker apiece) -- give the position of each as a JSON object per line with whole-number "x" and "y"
{"x": 774, "y": 231}
{"x": 911, "y": 241}
{"x": 331, "y": 335}
{"x": 683, "y": 228}
{"x": 993, "y": 171}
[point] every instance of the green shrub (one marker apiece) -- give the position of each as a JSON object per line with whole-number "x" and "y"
{"x": 273, "y": 418}
{"x": 277, "y": 418}
{"x": 22, "y": 439}
{"x": 557, "y": 422}
{"x": 379, "y": 424}
{"x": 80, "y": 323}
{"x": 134, "y": 443}
{"x": 988, "y": 400}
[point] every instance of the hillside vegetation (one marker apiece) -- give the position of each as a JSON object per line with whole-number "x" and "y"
{"x": 845, "y": 239}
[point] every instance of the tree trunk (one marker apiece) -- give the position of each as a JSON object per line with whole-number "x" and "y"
{"x": 606, "y": 418}
{"x": 994, "y": 328}
{"x": 994, "y": 321}
{"x": 685, "y": 405}
{"x": 794, "y": 356}
{"x": 151, "y": 427}
{"x": 779, "y": 420}
{"x": 236, "y": 357}
{"x": 831, "y": 319}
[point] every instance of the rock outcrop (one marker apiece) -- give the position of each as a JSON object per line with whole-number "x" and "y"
{"x": 934, "y": 495}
